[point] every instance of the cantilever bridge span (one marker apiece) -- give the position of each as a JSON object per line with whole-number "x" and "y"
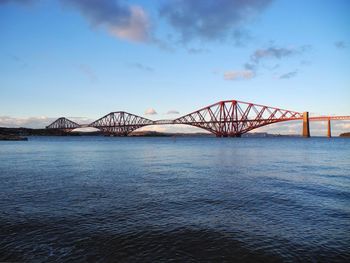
{"x": 230, "y": 118}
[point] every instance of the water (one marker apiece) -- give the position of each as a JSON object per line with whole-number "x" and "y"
{"x": 184, "y": 199}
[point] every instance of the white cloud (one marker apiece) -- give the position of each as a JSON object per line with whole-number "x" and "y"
{"x": 317, "y": 128}
{"x": 129, "y": 22}
{"x": 30, "y": 122}
{"x": 36, "y": 122}
{"x": 136, "y": 29}
{"x": 288, "y": 75}
{"x": 88, "y": 72}
{"x": 141, "y": 67}
{"x": 176, "y": 128}
{"x": 341, "y": 44}
{"x": 150, "y": 111}
{"x": 173, "y": 112}
{"x": 341, "y": 125}
{"x": 211, "y": 20}
{"x": 238, "y": 74}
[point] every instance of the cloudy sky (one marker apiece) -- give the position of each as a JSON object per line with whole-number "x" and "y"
{"x": 164, "y": 58}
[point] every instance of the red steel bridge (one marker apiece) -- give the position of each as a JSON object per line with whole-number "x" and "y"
{"x": 229, "y": 118}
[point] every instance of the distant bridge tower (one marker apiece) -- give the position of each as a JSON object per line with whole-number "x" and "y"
{"x": 229, "y": 118}
{"x": 329, "y": 133}
{"x": 306, "y": 125}
{"x": 63, "y": 124}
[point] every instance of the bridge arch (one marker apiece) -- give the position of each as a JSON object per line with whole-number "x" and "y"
{"x": 224, "y": 118}
{"x": 64, "y": 124}
{"x": 234, "y": 118}
{"x": 120, "y": 123}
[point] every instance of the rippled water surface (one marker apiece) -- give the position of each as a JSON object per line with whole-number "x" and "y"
{"x": 184, "y": 199}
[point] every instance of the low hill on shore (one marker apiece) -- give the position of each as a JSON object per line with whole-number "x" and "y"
{"x": 50, "y": 132}
{"x": 31, "y": 132}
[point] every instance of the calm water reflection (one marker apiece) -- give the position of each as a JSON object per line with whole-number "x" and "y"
{"x": 189, "y": 199}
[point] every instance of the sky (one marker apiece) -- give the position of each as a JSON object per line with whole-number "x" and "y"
{"x": 165, "y": 58}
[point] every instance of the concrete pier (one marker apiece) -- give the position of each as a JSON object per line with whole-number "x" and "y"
{"x": 306, "y": 126}
{"x": 329, "y": 133}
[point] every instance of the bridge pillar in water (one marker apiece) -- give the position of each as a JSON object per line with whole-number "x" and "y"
{"x": 306, "y": 126}
{"x": 329, "y": 133}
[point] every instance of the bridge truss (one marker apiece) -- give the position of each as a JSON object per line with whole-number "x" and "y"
{"x": 233, "y": 118}
{"x": 230, "y": 118}
{"x": 63, "y": 124}
{"x": 120, "y": 123}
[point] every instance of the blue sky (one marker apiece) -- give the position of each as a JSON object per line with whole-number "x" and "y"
{"x": 85, "y": 58}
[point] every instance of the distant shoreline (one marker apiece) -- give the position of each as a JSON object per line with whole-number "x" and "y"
{"x": 345, "y": 134}
{"x": 21, "y": 133}
{"x": 45, "y": 132}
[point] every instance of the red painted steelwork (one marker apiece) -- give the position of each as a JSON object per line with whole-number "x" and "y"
{"x": 233, "y": 118}
{"x": 326, "y": 118}
{"x": 224, "y": 118}
{"x": 63, "y": 124}
{"x": 120, "y": 123}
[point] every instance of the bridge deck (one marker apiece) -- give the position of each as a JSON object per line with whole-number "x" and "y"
{"x": 224, "y": 118}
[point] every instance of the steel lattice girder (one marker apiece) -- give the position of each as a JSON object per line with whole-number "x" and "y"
{"x": 120, "y": 123}
{"x": 63, "y": 124}
{"x": 233, "y": 118}
{"x": 224, "y": 118}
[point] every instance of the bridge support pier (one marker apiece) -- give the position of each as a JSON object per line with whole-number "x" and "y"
{"x": 329, "y": 133}
{"x": 223, "y": 135}
{"x": 306, "y": 126}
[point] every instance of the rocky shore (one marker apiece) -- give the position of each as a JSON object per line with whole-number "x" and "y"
{"x": 11, "y": 137}
{"x": 31, "y": 132}
{"x": 346, "y": 134}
